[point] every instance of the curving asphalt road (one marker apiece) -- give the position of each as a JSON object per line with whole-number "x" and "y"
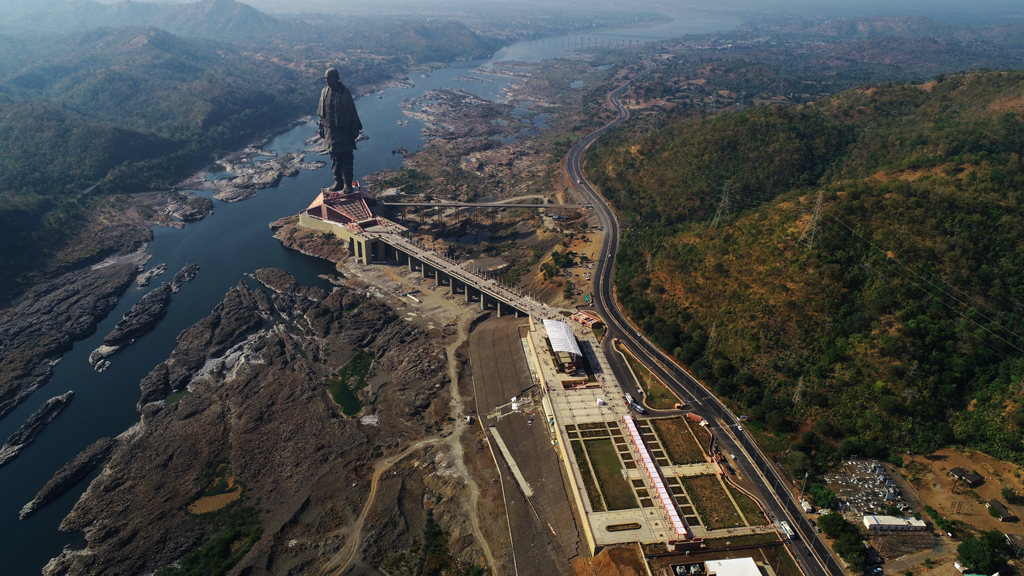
{"x": 810, "y": 552}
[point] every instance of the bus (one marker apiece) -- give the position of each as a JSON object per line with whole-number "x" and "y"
{"x": 787, "y": 530}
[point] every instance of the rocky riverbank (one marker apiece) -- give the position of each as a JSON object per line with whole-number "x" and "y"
{"x": 257, "y": 403}
{"x": 309, "y": 242}
{"x": 31, "y": 428}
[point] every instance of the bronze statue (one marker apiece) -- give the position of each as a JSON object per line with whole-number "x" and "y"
{"x": 339, "y": 127}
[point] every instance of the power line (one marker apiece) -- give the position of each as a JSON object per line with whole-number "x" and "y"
{"x": 723, "y": 206}
{"x": 807, "y": 238}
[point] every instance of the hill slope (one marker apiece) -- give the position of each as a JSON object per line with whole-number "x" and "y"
{"x": 897, "y": 328}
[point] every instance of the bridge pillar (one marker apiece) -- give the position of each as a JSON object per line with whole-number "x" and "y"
{"x": 351, "y": 246}
{"x": 467, "y": 293}
{"x": 411, "y": 263}
{"x": 498, "y": 304}
{"x": 483, "y": 300}
{"x": 359, "y": 252}
{"x": 423, "y": 269}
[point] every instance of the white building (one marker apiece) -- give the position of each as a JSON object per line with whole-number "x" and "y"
{"x": 893, "y": 524}
{"x": 732, "y": 567}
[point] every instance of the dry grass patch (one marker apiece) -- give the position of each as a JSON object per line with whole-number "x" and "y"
{"x": 678, "y": 442}
{"x": 712, "y": 503}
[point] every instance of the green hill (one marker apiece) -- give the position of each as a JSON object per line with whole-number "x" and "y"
{"x": 897, "y": 325}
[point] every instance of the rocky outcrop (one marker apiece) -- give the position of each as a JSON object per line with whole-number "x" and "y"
{"x": 242, "y": 312}
{"x": 309, "y": 242}
{"x": 235, "y": 194}
{"x": 189, "y": 208}
{"x": 257, "y": 398}
{"x": 43, "y": 322}
{"x": 31, "y": 428}
{"x": 145, "y": 278}
{"x": 69, "y": 475}
{"x": 138, "y": 320}
{"x": 141, "y": 317}
{"x": 186, "y": 274}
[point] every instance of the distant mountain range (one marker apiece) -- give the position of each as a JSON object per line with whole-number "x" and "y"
{"x": 219, "y": 19}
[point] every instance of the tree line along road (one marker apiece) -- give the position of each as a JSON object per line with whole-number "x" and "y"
{"x": 811, "y": 554}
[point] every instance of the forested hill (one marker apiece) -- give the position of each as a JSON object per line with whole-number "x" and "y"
{"x": 890, "y": 322}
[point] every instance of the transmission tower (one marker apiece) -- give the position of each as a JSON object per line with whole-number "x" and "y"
{"x": 723, "y": 206}
{"x": 811, "y": 230}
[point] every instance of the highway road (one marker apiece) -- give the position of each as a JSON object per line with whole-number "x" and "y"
{"x": 810, "y": 552}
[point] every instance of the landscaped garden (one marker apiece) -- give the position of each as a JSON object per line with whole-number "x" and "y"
{"x": 679, "y": 443}
{"x": 589, "y": 485}
{"x": 608, "y": 468}
{"x": 712, "y": 502}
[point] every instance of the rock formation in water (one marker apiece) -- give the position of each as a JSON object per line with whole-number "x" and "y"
{"x": 257, "y": 405}
{"x": 138, "y": 320}
{"x": 145, "y": 278}
{"x": 31, "y": 428}
{"x": 186, "y": 274}
{"x": 69, "y": 475}
{"x": 42, "y": 323}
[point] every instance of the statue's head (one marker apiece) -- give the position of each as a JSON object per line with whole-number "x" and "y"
{"x": 332, "y": 76}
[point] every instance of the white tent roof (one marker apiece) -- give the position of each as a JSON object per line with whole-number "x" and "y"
{"x": 733, "y": 567}
{"x": 562, "y": 338}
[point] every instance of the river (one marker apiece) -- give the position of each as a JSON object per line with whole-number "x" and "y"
{"x": 227, "y": 244}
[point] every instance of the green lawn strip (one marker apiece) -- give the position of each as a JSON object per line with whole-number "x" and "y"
{"x": 658, "y": 396}
{"x": 593, "y": 493}
{"x": 744, "y": 540}
{"x": 679, "y": 443}
{"x": 711, "y": 501}
{"x": 608, "y": 469}
{"x": 351, "y": 378}
{"x": 749, "y": 508}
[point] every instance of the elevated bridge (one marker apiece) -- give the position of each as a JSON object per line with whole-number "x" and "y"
{"x": 355, "y": 218}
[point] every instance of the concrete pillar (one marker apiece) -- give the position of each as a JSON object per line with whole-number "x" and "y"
{"x": 467, "y": 293}
{"x": 351, "y": 246}
{"x": 483, "y": 300}
{"x": 423, "y": 269}
{"x": 411, "y": 261}
{"x": 498, "y": 302}
{"x": 359, "y": 247}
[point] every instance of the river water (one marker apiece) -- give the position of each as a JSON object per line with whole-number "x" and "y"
{"x": 227, "y": 244}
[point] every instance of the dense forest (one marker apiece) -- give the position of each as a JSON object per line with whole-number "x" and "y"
{"x": 848, "y": 272}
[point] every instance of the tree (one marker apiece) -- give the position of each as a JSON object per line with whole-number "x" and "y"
{"x": 1010, "y": 495}
{"x": 832, "y": 524}
{"x": 777, "y": 420}
{"x": 799, "y": 463}
{"x": 979, "y": 554}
